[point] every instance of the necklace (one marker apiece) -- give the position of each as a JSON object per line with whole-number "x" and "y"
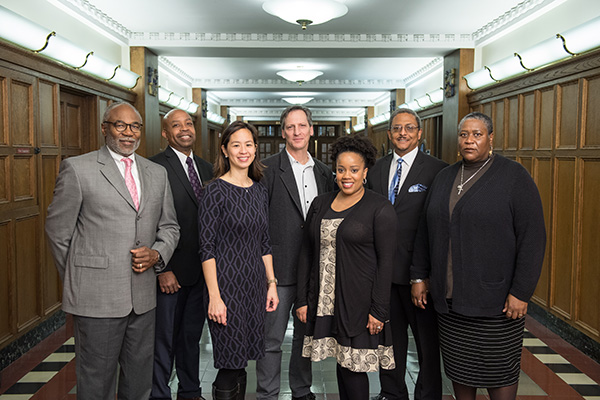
{"x": 462, "y": 171}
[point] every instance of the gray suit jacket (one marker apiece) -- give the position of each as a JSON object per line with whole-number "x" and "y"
{"x": 92, "y": 225}
{"x": 286, "y": 220}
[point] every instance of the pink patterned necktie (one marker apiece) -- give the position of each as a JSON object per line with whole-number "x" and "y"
{"x": 130, "y": 182}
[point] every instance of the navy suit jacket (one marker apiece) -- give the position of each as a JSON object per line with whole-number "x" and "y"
{"x": 286, "y": 220}
{"x": 185, "y": 263}
{"x": 408, "y": 204}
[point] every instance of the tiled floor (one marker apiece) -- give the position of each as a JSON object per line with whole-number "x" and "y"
{"x": 551, "y": 369}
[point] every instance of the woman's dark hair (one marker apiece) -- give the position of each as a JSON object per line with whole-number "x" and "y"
{"x": 221, "y": 167}
{"x": 357, "y": 144}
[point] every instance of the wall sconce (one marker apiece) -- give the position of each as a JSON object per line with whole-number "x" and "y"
{"x": 436, "y": 96}
{"x": 34, "y": 37}
{"x": 22, "y": 31}
{"x": 125, "y": 78}
{"x": 479, "y": 78}
{"x": 507, "y": 67}
{"x": 582, "y": 38}
{"x": 192, "y": 108}
{"x": 216, "y": 118}
{"x": 359, "y": 127}
{"x": 380, "y": 118}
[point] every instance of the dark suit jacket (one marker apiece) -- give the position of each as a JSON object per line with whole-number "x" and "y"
{"x": 286, "y": 220}
{"x": 408, "y": 205}
{"x": 185, "y": 262}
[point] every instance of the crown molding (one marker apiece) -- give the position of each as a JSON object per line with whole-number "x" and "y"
{"x": 98, "y": 19}
{"x": 512, "y": 16}
{"x": 170, "y": 67}
{"x": 383, "y": 84}
{"x": 426, "y": 70}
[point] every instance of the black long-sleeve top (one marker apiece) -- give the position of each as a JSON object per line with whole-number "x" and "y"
{"x": 497, "y": 234}
{"x": 365, "y": 245}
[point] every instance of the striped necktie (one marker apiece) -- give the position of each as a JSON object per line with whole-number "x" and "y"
{"x": 395, "y": 186}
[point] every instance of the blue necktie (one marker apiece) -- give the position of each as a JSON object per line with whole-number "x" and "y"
{"x": 395, "y": 186}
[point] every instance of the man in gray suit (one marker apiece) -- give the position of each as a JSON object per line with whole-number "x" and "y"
{"x": 293, "y": 179}
{"x": 111, "y": 226}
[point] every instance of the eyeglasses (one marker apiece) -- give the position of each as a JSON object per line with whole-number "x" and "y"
{"x": 121, "y": 126}
{"x": 407, "y": 128}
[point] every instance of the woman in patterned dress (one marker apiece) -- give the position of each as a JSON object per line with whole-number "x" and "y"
{"x": 236, "y": 259}
{"x": 345, "y": 274}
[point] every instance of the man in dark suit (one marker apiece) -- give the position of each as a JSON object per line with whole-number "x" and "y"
{"x": 111, "y": 226}
{"x": 293, "y": 179}
{"x": 180, "y": 308}
{"x": 404, "y": 177}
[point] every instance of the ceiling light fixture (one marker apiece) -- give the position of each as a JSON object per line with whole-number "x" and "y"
{"x": 305, "y": 12}
{"x": 299, "y": 75}
{"x": 297, "y": 100}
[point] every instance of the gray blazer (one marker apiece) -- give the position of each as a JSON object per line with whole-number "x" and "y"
{"x": 286, "y": 220}
{"x": 92, "y": 225}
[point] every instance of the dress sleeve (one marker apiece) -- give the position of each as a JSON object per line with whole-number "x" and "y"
{"x": 209, "y": 220}
{"x": 384, "y": 234}
{"x": 266, "y": 240}
{"x": 530, "y": 233}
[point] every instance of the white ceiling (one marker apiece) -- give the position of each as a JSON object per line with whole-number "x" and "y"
{"x": 233, "y": 49}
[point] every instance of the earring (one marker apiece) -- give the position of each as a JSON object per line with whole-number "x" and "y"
{"x": 226, "y": 156}
{"x": 458, "y": 154}
{"x": 490, "y": 152}
{"x": 364, "y": 181}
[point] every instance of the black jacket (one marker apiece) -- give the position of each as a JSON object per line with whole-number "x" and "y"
{"x": 408, "y": 205}
{"x": 185, "y": 262}
{"x": 286, "y": 219}
{"x": 498, "y": 239}
{"x": 365, "y": 243}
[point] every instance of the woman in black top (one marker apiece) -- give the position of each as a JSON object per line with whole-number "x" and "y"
{"x": 479, "y": 250}
{"x": 345, "y": 272}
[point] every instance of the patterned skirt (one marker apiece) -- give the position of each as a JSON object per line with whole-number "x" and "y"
{"x": 482, "y": 352}
{"x": 362, "y": 353}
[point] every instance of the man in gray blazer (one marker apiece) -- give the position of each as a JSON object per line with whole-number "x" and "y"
{"x": 293, "y": 179}
{"x": 111, "y": 226}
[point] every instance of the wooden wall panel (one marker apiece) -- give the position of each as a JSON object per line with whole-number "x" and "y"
{"x": 21, "y": 112}
{"x": 512, "y": 123}
{"x": 6, "y": 327}
{"x": 4, "y": 180}
{"x": 53, "y": 285}
{"x": 591, "y": 107}
{"x": 543, "y": 177}
{"x": 24, "y": 178}
{"x": 547, "y": 116}
{"x": 528, "y": 129}
{"x": 3, "y": 111}
{"x": 48, "y": 93}
{"x": 561, "y": 102}
{"x": 499, "y": 124}
{"x": 27, "y": 258}
{"x": 563, "y": 237}
{"x": 487, "y": 109}
{"x": 568, "y": 97}
{"x": 588, "y": 293}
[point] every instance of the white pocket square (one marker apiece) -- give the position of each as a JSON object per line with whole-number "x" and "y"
{"x": 417, "y": 188}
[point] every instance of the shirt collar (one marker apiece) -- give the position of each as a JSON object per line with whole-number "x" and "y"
{"x": 309, "y": 163}
{"x": 182, "y": 157}
{"x": 408, "y": 158}
{"x": 117, "y": 157}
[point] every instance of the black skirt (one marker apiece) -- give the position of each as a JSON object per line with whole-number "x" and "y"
{"x": 482, "y": 352}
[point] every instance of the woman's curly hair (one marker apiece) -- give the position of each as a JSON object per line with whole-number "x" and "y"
{"x": 357, "y": 144}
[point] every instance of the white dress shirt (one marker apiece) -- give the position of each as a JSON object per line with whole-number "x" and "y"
{"x": 134, "y": 170}
{"x": 305, "y": 181}
{"x": 407, "y": 162}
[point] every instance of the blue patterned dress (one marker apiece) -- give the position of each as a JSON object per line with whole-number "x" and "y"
{"x": 234, "y": 230}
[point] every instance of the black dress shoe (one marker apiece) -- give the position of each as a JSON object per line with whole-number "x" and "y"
{"x": 309, "y": 396}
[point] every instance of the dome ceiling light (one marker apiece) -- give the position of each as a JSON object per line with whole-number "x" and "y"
{"x": 305, "y": 12}
{"x": 297, "y": 100}
{"x": 299, "y": 75}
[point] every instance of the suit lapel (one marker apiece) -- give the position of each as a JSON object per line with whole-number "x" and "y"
{"x": 384, "y": 176}
{"x": 287, "y": 176}
{"x": 109, "y": 169}
{"x": 145, "y": 181}
{"x": 174, "y": 162}
{"x": 411, "y": 178}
